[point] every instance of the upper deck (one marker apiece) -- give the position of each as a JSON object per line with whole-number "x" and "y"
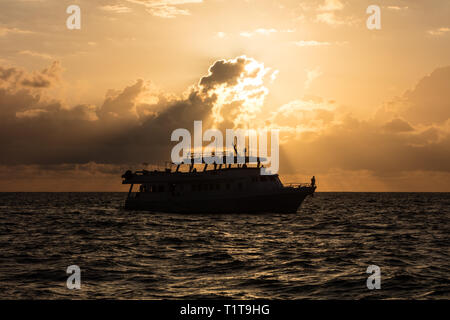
{"x": 200, "y": 168}
{"x": 169, "y": 176}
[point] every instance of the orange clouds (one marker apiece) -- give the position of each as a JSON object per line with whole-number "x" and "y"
{"x": 133, "y": 125}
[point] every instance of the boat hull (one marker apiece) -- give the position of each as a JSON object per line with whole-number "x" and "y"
{"x": 283, "y": 202}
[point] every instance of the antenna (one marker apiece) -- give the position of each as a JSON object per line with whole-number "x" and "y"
{"x": 235, "y": 146}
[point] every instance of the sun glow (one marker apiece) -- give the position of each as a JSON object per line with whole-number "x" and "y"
{"x": 244, "y": 99}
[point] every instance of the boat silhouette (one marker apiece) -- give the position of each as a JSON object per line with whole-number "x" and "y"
{"x": 223, "y": 188}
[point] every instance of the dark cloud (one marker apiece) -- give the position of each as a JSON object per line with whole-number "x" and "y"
{"x": 409, "y": 134}
{"x": 15, "y": 78}
{"x": 383, "y": 149}
{"x": 45, "y": 78}
{"x": 89, "y": 176}
{"x": 398, "y": 125}
{"x": 37, "y": 82}
{"x": 429, "y": 101}
{"x": 122, "y": 130}
{"x": 12, "y": 101}
{"x": 7, "y": 73}
{"x": 123, "y": 104}
{"x": 38, "y": 133}
{"x": 224, "y": 72}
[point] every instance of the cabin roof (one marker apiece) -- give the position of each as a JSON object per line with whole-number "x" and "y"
{"x": 156, "y": 176}
{"x": 225, "y": 159}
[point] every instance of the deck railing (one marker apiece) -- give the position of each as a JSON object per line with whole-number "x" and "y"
{"x": 298, "y": 185}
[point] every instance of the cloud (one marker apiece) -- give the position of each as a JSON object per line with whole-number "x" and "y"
{"x": 331, "y": 5}
{"x": 44, "y": 78}
{"x": 37, "y": 54}
{"x": 165, "y": 8}
{"x": 239, "y": 87}
{"x": 50, "y": 139}
{"x": 332, "y": 19}
{"x": 132, "y": 125}
{"x": 66, "y": 177}
{"x": 429, "y": 101}
{"x": 5, "y": 31}
{"x": 264, "y": 32}
{"x": 328, "y": 13}
{"x": 14, "y": 79}
{"x": 311, "y": 75}
{"x": 311, "y": 43}
{"x": 347, "y": 143}
{"x": 311, "y": 115}
{"x": 439, "y": 31}
{"x": 123, "y": 103}
{"x": 168, "y": 12}
{"x": 117, "y": 8}
{"x": 260, "y": 31}
{"x": 246, "y": 34}
{"x": 398, "y": 125}
{"x": 396, "y": 8}
{"x": 224, "y": 72}
{"x": 408, "y": 134}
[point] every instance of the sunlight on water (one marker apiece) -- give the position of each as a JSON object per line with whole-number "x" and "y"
{"x": 320, "y": 252}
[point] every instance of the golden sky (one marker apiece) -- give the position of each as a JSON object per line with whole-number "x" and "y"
{"x": 362, "y": 110}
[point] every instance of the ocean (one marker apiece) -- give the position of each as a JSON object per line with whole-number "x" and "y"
{"x": 321, "y": 252}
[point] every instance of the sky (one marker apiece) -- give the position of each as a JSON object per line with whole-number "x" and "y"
{"x": 361, "y": 109}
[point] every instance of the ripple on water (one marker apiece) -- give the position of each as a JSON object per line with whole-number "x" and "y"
{"x": 320, "y": 252}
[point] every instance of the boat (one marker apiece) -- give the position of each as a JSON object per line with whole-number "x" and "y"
{"x": 223, "y": 188}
